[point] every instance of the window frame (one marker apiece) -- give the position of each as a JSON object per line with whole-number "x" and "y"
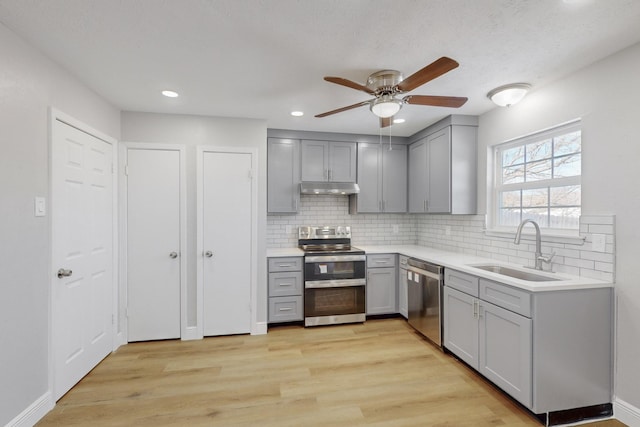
{"x": 498, "y": 188}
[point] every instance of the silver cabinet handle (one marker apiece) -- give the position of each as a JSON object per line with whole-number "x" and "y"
{"x": 285, "y": 309}
{"x": 329, "y": 174}
{"x": 173, "y": 255}
{"x": 208, "y": 254}
{"x": 295, "y": 204}
{"x": 64, "y": 273}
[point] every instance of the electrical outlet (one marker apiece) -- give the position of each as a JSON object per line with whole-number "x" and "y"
{"x": 598, "y": 242}
{"x": 447, "y": 230}
{"x": 40, "y": 206}
{"x": 288, "y": 229}
{"x": 395, "y": 228}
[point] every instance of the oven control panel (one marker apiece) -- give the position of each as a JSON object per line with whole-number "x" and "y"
{"x": 324, "y": 232}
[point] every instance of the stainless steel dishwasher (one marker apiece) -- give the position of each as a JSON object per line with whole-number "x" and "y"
{"x": 425, "y": 281}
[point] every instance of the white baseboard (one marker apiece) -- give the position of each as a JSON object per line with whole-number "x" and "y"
{"x": 626, "y": 413}
{"x": 191, "y": 333}
{"x": 34, "y": 412}
{"x": 260, "y": 328}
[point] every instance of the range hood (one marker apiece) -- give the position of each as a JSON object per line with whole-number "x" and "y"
{"x": 329, "y": 188}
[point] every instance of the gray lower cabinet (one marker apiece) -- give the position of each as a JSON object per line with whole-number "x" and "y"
{"x": 442, "y": 170}
{"x": 403, "y": 302}
{"x": 382, "y": 178}
{"x": 285, "y": 289}
{"x": 381, "y": 284}
{"x": 283, "y": 175}
{"x": 332, "y": 161}
{"x": 532, "y": 344}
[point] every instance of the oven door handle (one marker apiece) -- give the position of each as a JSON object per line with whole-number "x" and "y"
{"x": 337, "y": 258}
{"x": 334, "y": 283}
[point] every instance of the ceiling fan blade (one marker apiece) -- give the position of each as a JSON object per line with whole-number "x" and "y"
{"x": 428, "y": 73}
{"x": 349, "y": 83}
{"x": 385, "y": 122}
{"x": 436, "y": 101}
{"x": 340, "y": 110}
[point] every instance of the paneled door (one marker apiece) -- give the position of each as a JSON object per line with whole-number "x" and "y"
{"x": 226, "y": 230}
{"x": 154, "y": 256}
{"x": 82, "y": 212}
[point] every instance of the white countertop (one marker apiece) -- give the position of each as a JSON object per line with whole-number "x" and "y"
{"x": 283, "y": 252}
{"x": 464, "y": 263}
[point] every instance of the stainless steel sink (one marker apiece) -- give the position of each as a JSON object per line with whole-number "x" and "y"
{"x": 516, "y": 274}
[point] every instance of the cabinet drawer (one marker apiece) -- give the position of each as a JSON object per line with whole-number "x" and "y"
{"x": 461, "y": 281}
{"x": 285, "y": 264}
{"x": 285, "y": 309}
{"x": 504, "y": 296}
{"x": 285, "y": 283}
{"x": 381, "y": 260}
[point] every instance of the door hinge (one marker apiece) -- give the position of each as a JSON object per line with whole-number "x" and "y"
{"x": 250, "y": 174}
{"x": 126, "y": 170}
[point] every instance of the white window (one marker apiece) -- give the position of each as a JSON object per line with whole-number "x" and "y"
{"x": 538, "y": 178}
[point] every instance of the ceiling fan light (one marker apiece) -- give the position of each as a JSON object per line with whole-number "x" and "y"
{"x": 386, "y": 106}
{"x": 507, "y": 95}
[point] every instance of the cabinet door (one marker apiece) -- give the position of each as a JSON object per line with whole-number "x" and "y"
{"x": 403, "y": 307}
{"x": 418, "y": 176}
{"x": 283, "y": 175}
{"x": 439, "y": 171}
{"x": 381, "y": 290}
{"x": 505, "y": 351}
{"x": 315, "y": 158}
{"x": 369, "y": 179}
{"x": 342, "y": 161}
{"x": 461, "y": 326}
{"x": 394, "y": 179}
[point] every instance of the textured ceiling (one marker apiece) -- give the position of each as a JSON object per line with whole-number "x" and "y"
{"x": 264, "y": 58}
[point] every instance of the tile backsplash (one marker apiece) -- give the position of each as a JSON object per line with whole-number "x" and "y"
{"x": 455, "y": 233}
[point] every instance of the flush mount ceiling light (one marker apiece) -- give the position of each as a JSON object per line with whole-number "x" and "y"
{"x": 398, "y": 121}
{"x": 507, "y": 95}
{"x": 385, "y": 106}
{"x": 297, "y": 113}
{"x": 170, "y": 93}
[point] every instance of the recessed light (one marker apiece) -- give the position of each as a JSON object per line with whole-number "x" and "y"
{"x": 170, "y": 93}
{"x": 297, "y": 113}
{"x": 398, "y": 121}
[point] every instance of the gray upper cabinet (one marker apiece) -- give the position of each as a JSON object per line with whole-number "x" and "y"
{"x": 382, "y": 177}
{"x": 283, "y": 175}
{"x": 328, "y": 161}
{"x": 442, "y": 170}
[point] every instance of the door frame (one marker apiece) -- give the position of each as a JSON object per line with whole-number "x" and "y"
{"x": 57, "y": 115}
{"x": 185, "y": 332}
{"x": 253, "y": 262}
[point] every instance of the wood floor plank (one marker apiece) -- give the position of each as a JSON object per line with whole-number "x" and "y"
{"x": 380, "y": 373}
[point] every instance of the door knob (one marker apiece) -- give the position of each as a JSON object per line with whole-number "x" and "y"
{"x": 173, "y": 255}
{"x": 208, "y": 254}
{"x": 64, "y": 273}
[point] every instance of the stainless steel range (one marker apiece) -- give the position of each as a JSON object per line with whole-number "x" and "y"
{"x": 334, "y": 276}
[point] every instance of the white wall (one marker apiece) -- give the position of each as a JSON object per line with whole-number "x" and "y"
{"x": 605, "y": 95}
{"x": 202, "y": 130}
{"x": 30, "y": 84}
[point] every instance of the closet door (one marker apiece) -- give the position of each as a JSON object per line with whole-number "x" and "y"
{"x": 153, "y": 243}
{"x": 226, "y": 226}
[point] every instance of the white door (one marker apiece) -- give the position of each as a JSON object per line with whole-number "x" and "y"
{"x": 153, "y": 244}
{"x": 82, "y": 249}
{"x": 226, "y": 242}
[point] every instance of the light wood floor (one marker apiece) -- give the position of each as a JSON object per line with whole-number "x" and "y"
{"x": 379, "y": 373}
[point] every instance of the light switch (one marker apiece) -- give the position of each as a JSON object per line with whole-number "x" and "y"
{"x": 598, "y": 242}
{"x": 40, "y": 206}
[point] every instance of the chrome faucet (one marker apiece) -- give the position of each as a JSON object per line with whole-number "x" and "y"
{"x": 539, "y": 258}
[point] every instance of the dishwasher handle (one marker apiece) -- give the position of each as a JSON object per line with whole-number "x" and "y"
{"x": 425, "y": 273}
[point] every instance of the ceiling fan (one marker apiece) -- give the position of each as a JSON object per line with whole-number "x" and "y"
{"x": 386, "y": 84}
